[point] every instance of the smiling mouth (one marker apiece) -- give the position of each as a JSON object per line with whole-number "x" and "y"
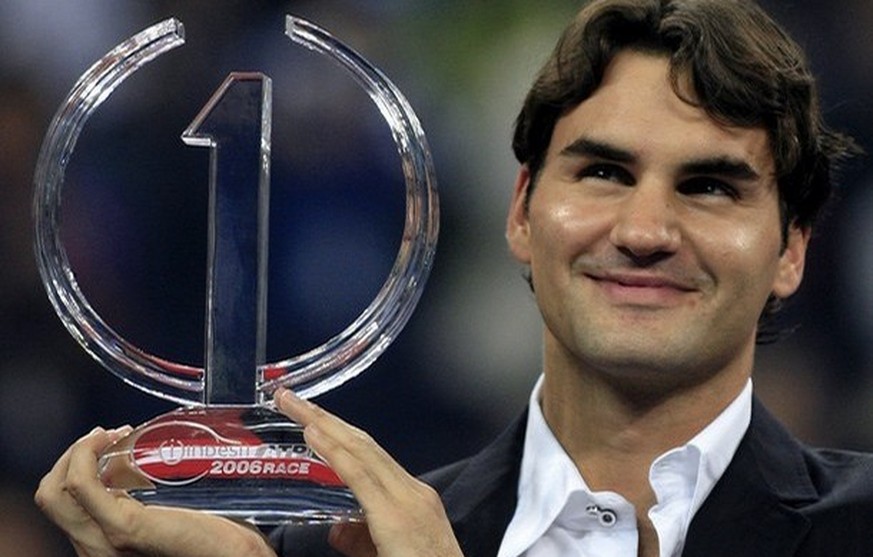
{"x": 642, "y": 290}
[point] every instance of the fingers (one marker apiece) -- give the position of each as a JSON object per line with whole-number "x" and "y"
{"x": 167, "y": 532}
{"x": 53, "y": 495}
{"x": 82, "y": 476}
{"x": 57, "y": 495}
{"x": 125, "y": 524}
{"x": 102, "y": 523}
{"x": 362, "y": 464}
{"x": 112, "y": 516}
{"x": 404, "y": 515}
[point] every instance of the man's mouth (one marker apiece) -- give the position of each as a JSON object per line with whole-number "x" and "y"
{"x": 642, "y": 288}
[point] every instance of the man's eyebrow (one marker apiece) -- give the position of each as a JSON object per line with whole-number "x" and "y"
{"x": 584, "y": 146}
{"x": 727, "y": 167}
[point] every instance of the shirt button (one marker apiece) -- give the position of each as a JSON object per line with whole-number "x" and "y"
{"x": 606, "y": 517}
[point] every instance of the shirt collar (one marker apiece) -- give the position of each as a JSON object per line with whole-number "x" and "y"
{"x": 549, "y": 480}
{"x": 718, "y": 442}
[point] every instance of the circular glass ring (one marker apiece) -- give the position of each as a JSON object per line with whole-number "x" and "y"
{"x": 339, "y": 359}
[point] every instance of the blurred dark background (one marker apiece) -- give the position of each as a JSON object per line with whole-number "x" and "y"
{"x": 134, "y": 221}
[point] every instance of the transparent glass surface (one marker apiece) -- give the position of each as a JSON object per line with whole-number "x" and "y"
{"x": 227, "y": 451}
{"x": 339, "y": 359}
{"x": 154, "y": 375}
{"x": 354, "y": 349}
{"x": 235, "y": 125}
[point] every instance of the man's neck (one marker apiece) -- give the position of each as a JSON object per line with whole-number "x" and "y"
{"x": 613, "y": 432}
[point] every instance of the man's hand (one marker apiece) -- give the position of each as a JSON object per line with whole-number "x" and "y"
{"x": 103, "y": 523}
{"x": 404, "y": 516}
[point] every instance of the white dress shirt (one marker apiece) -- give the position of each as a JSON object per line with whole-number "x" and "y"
{"x": 558, "y": 515}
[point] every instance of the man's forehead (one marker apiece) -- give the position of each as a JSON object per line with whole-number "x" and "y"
{"x": 638, "y": 105}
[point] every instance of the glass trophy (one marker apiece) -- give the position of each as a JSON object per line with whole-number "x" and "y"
{"x": 226, "y": 450}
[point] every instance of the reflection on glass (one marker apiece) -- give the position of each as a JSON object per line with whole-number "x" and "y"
{"x": 226, "y": 451}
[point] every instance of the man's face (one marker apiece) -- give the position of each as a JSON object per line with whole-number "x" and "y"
{"x": 653, "y": 233}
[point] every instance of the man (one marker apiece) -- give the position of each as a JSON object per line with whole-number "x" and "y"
{"x": 673, "y": 162}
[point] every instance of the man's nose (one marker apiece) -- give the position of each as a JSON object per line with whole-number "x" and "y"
{"x": 646, "y": 224}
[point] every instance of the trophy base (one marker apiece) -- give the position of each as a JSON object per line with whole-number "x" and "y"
{"x": 242, "y": 462}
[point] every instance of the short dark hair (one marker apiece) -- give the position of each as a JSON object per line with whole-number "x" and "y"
{"x": 744, "y": 70}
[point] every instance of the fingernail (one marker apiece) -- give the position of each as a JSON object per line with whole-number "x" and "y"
{"x": 120, "y": 431}
{"x": 285, "y": 397}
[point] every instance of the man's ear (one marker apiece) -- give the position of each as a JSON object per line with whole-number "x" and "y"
{"x": 517, "y": 226}
{"x": 791, "y": 262}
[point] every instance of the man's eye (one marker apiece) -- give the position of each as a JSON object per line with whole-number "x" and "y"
{"x": 609, "y": 172}
{"x": 708, "y": 186}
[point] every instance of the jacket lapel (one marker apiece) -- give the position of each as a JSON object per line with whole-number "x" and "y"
{"x": 752, "y": 510}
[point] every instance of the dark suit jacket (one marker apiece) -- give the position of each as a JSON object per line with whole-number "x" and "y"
{"x": 777, "y": 498}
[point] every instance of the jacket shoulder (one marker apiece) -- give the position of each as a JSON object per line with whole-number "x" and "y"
{"x": 841, "y": 477}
